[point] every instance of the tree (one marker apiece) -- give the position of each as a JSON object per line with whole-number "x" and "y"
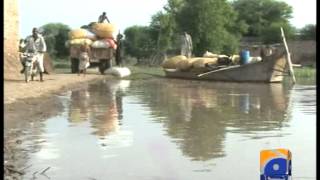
{"x": 261, "y": 14}
{"x": 308, "y": 32}
{"x": 212, "y": 24}
{"x": 162, "y": 28}
{"x": 56, "y": 34}
{"x": 138, "y": 42}
{"x": 272, "y": 34}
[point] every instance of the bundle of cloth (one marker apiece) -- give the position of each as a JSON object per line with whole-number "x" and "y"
{"x": 104, "y": 43}
{"x": 97, "y": 35}
{"x": 196, "y": 64}
{"x": 79, "y": 37}
{"x": 186, "y": 64}
{"x": 119, "y": 71}
{"x": 106, "y": 35}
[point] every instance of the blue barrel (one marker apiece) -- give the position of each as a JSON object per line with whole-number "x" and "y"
{"x": 244, "y": 57}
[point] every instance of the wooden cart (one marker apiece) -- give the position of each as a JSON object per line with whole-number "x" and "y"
{"x": 101, "y": 57}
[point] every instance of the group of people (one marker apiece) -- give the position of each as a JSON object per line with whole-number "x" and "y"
{"x": 36, "y": 44}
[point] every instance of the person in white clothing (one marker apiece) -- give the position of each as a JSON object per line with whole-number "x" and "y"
{"x": 36, "y": 44}
{"x": 186, "y": 45}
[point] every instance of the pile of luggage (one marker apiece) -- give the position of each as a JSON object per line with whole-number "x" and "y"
{"x": 97, "y": 35}
{"x": 198, "y": 64}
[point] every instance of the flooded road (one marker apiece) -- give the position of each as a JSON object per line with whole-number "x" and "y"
{"x": 170, "y": 129}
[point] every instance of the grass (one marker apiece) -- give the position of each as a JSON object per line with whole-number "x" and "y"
{"x": 61, "y": 63}
{"x": 305, "y": 72}
{"x": 137, "y": 72}
{"x": 144, "y": 72}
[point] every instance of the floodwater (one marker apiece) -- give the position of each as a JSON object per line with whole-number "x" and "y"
{"x": 172, "y": 130}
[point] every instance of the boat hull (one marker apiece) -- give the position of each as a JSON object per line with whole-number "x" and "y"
{"x": 270, "y": 69}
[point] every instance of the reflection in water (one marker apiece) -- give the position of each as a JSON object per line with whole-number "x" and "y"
{"x": 79, "y": 111}
{"x": 198, "y": 118}
{"x": 101, "y": 104}
{"x": 168, "y": 129}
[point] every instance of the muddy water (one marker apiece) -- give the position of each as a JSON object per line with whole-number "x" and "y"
{"x": 170, "y": 129}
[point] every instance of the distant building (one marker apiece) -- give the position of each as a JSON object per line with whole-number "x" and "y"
{"x": 302, "y": 51}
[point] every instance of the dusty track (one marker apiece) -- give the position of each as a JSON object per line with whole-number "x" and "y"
{"x": 16, "y": 89}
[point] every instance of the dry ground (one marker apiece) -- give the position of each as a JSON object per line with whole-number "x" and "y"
{"x": 16, "y": 89}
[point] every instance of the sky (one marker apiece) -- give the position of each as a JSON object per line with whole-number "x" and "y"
{"x": 122, "y": 13}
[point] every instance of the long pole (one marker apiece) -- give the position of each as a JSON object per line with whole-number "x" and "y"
{"x": 291, "y": 72}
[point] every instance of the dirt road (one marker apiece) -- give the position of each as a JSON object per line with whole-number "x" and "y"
{"x": 35, "y": 100}
{"x": 16, "y": 89}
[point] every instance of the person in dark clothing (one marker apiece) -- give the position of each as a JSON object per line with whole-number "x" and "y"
{"x": 118, "y": 50}
{"x": 103, "y": 17}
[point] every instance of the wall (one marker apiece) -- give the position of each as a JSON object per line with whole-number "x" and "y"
{"x": 11, "y": 39}
{"x": 302, "y": 51}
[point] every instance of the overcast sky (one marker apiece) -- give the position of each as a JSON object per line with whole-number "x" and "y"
{"x": 123, "y": 13}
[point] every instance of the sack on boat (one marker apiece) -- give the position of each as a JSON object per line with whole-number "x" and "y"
{"x": 185, "y": 64}
{"x": 235, "y": 59}
{"x": 210, "y": 55}
{"x": 255, "y": 59}
{"x": 104, "y": 30}
{"x": 81, "y": 34}
{"x": 224, "y": 60}
{"x": 201, "y": 62}
{"x": 119, "y": 71}
{"x": 172, "y": 62}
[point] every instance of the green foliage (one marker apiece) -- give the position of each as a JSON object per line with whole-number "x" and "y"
{"x": 308, "y": 32}
{"x": 56, "y": 34}
{"x": 272, "y": 34}
{"x": 144, "y": 72}
{"x": 162, "y": 29}
{"x": 138, "y": 42}
{"x": 305, "y": 72}
{"x": 261, "y": 14}
{"x": 212, "y": 24}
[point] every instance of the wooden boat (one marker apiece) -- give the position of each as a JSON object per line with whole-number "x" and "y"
{"x": 270, "y": 69}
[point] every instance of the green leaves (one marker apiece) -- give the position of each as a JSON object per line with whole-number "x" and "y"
{"x": 214, "y": 25}
{"x": 55, "y": 35}
{"x": 263, "y": 15}
{"x": 138, "y": 41}
{"x": 308, "y": 32}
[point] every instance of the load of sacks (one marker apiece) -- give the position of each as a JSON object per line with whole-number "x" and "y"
{"x": 98, "y": 35}
{"x": 183, "y": 63}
